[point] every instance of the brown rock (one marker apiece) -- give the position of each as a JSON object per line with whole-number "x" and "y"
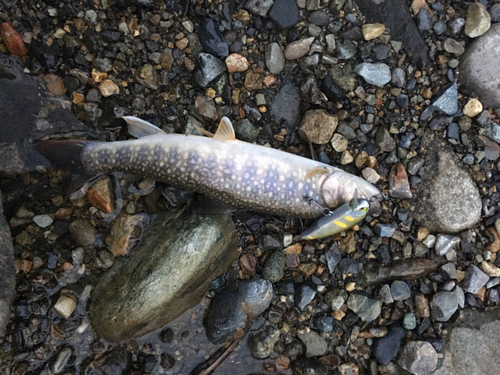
{"x": 293, "y": 249}
{"x": 125, "y": 232}
{"x": 101, "y": 195}
{"x": 98, "y": 76}
{"x": 422, "y": 308}
{"x": 372, "y": 30}
{"x": 83, "y": 232}
{"x": 297, "y": 49}
{"x": 247, "y": 263}
{"x": 308, "y": 268}
{"x": 206, "y": 107}
{"x": 490, "y": 269}
{"x": 12, "y": 39}
{"x": 108, "y": 88}
{"x": 236, "y": 63}
{"x": 55, "y": 84}
{"x": 399, "y": 187}
{"x": 318, "y": 126}
{"x": 253, "y": 80}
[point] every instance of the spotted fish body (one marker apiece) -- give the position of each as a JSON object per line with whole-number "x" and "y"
{"x": 244, "y": 175}
{"x": 343, "y": 218}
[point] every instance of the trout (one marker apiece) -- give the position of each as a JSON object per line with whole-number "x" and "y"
{"x": 243, "y": 175}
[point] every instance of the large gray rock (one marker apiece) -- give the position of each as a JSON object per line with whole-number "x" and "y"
{"x": 168, "y": 273}
{"x": 479, "y": 68}
{"x": 7, "y": 271}
{"x": 447, "y": 200}
{"x": 473, "y": 345}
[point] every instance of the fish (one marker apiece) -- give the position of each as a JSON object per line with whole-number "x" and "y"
{"x": 343, "y": 218}
{"x": 244, "y": 175}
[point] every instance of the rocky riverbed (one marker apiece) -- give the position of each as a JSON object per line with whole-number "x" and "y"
{"x": 121, "y": 275}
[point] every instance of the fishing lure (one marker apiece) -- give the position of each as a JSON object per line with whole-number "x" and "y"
{"x": 343, "y": 218}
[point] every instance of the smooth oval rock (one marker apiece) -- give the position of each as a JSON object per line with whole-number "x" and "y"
{"x": 168, "y": 273}
{"x": 235, "y": 307}
{"x": 478, "y": 20}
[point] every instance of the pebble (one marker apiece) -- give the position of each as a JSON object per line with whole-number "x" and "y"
{"x": 318, "y": 125}
{"x": 346, "y": 158}
{"x": 124, "y": 233}
{"x": 429, "y": 241}
{"x": 384, "y": 140}
{"x": 66, "y": 305}
{"x": 400, "y": 290}
{"x": 83, "y": 232}
{"x": 447, "y": 101}
{"x": 439, "y": 27}
{"x": 372, "y": 30}
{"x": 324, "y": 323}
{"x": 210, "y": 69}
{"x": 346, "y": 50}
{"x": 330, "y": 43}
{"x": 418, "y": 358}
{"x": 443, "y": 305}
{"x": 309, "y": 366}
{"x": 424, "y": 20}
{"x": 370, "y": 175}
{"x": 490, "y": 269}
{"x": 275, "y": 60}
{"x": 336, "y": 298}
{"x": 315, "y": 344}
{"x": 304, "y": 294}
{"x": 376, "y": 74}
{"x": 410, "y": 321}
{"x": 422, "y": 308}
{"x": 284, "y": 13}
{"x": 274, "y": 268}
{"x": 259, "y": 7}
{"x": 62, "y": 360}
{"x": 211, "y": 38}
{"x": 385, "y": 294}
{"x": 298, "y": 49}
{"x": 148, "y": 77}
{"x": 474, "y": 280}
{"x": 399, "y": 186}
{"x": 384, "y": 230}
{"x": 12, "y": 39}
{"x": 452, "y": 46}
{"x": 444, "y": 243}
{"x": 339, "y": 142}
{"x": 473, "y": 108}
{"x": 43, "y": 221}
{"x": 478, "y": 20}
{"x": 261, "y": 343}
{"x": 366, "y": 308}
{"x": 398, "y": 77}
{"x": 386, "y": 348}
{"x": 236, "y": 63}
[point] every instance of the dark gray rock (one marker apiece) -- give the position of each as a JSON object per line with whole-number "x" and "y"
{"x": 246, "y": 131}
{"x": 286, "y": 105}
{"x": 274, "y": 268}
{"x": 164, "y": 276}
{"x": 366, "y": 308}
{"x": 384, "y": 230}
{"x": 398, "y": 77}
{"x": 424, "y": 20}
{"x": 324, "y": 323}
{"x": 336, "y": 298}
{"x": 309, "y": 366}
{"x": 284, "y": 13}
{"x": 333, "y": 257}
{"x": 210, "y": 68}
{"x": 386, "y": 348}
{"x": 418, "y": 357}
{"x": 448, "y": 198}
{"x": 443, "y": 306}
{"x": 400, "y": 290}
{"x": 304, "y": 294}
{"x": 474, "y": 280}
{"x": 261, "y": 343}
{"x": 384, "y": 140}
{"x": 492, "y": 130}
{"x": 211, "y": 38}
{"x": 7, "y": 270}
{"x": 314, "y": 343}
{"x": 479, "y": 68}
{"x": 259, "y": 7}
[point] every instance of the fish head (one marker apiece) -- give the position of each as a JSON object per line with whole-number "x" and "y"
{"x": 339, "y": 187}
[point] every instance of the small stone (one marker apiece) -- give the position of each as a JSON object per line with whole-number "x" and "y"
{"x": 449, "y": 271}
{"x": 473, "y": 108}
{"x": 330, "y": 43}
{"x": 318, "y": 125}
{"x": 315, "y": 344}
{"x": 43, "y": 221}
{"x": 399, "y": 186}
{"x": 366, "y": 308}
{"x": 447, "y": 101}
{"x": 336, "y": 298}
{"x": 339, "y": 142}
{"x": 304, "y": 294}
{"x": 443, "y": 305}
{"x": 376, "y": 74}
{"x": 274, "y": 268}
{"x": 125, "y": 232}
{"x": 284, "y": 13}
{"x": 400, "y": 290}
{"x": 474, "y": 280}
{"x": 83, "y": 232}
{"x": 261, "y": 343}
{"x": 259, "y": 7}
{"x": 101, "y": 195}
{"x": 444, "y": 243}
{"x": 490, "y": 269}
{"x": 236, "y": 63}
{"x": 384, "y": 140}
{"x": 297, "y": 49}
{"x": 418, "y": 358}
{"x": 429, "y": 241}
{"x": 384, "y": 230}
{"x": 66, "y": 305}
{"x": 346, "y": 158}
{"x": 478, "y": 20}
{"x": 410, "y": 321}
{"x": 386, "y": 348}
{"x": 452, "y": 46}
{"x": 348, "y": 368}
{"x": 385, "y": 294}
{"x": 370, "y": 175}
{"x": 372, "y": 30}
{"x": 422, "y": 308}
{"x": 62, "y": 360}
{"x": 211, "y": 38}
{"x": 423, "y": 19}
{"x": 275, "y": 60}
{"x": 148, "y": 77}
{"x": 398, "y": 77}
{"x": 108, "y": 88}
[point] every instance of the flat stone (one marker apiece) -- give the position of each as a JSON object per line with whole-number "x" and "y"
{"x": 448, "y": 198}
{"x": 286, "y": 105}
{"x": 445, "y": 242}
{"x": 400, "y": 290}
{"x": 275, "y": 60}
{"x": 375, "y": 74}
{"x": 318, "y": 125}
{"x": 474, "y": 280}
{"x": 384, "y": 230}
{"x": 399, "y": 186}
{"x": 339, "y": 143}
{"x": 304, "y": 294}
{"x": 298, "y": 49}
{"x": 315, "y": 344}
{"x": 452, "y": 46}
{"x": 418, "y": 357}
{"x": 368, "y": 309}
{"x": 210, "y": 69}
{"x": 211, "y": 38}
{"x": 490, "y": 269}
{"x": 492, "y": 131}
{"x": 370, "y": 175}
{"x": 443, "y": 305}
{"x": 83, "y": 232}
{"x": 236, "y": 63}
{"x": 447, "y": 100}
{"x": 478, "y": 20}
{"x": 479, "y": 68}
{"x": 101, "y": 195}
{"x": 372, "y": 30}
{"x": 108, "y": 88}
{"x": 148, "y": 77}
{"x": 398, "y": 77}
{"x": 386, "y": 348}
{"x": 43, "y": 221}
{"x": 159, "y": 273}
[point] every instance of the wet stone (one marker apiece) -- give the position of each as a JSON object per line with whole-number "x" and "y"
{"x": 324, "y": 323}
{"x": 210, "y": 69}
{"x": 447, "y": 101}
{"x": 314, "y": 343}
{"x": 331, "y": 89}
{"x": 304, "y": 294}
{"x": 246, "y": 131}
{"x": 346, "y": 50}
{"x": 261, "y": 343}
{"x": 443, "y": 306}
{"x": 309, "y": 366}
{"x": 83, "y": 232}
{"x": 418, "y": 357}
{"x": 274, "y": 268}
{"x": 376, "y": 74}
{"x": 268, "y": 243}
{"x": 284, "y": 13}
{"x": 43, "y": 221}
{"x": 211, "y": 38}
{"x": 445, "y": 242}
{"x": 275, "y": 60}
{"x": 366, "y": 308}
{"x": 298, "y": 49}
{"x": 386, "y": 348}
{"x": 148, "y": 77}
{"x": 400, "y": 290}
{"x": 452, "y": 46}
{"x": 474, "y": 280}
{"x": 66, "y": 305}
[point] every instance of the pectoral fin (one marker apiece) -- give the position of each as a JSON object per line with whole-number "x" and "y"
{"x": 316, "y": 172}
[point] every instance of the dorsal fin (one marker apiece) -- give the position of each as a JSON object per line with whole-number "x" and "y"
{"x": 205, "y": 132}
{"x": 225, "y": 131}
{"x": 315, "y": 172}
{"x": 139, "y": 128}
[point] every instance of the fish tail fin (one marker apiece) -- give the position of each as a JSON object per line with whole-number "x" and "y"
{"x": 64, "y": 154}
